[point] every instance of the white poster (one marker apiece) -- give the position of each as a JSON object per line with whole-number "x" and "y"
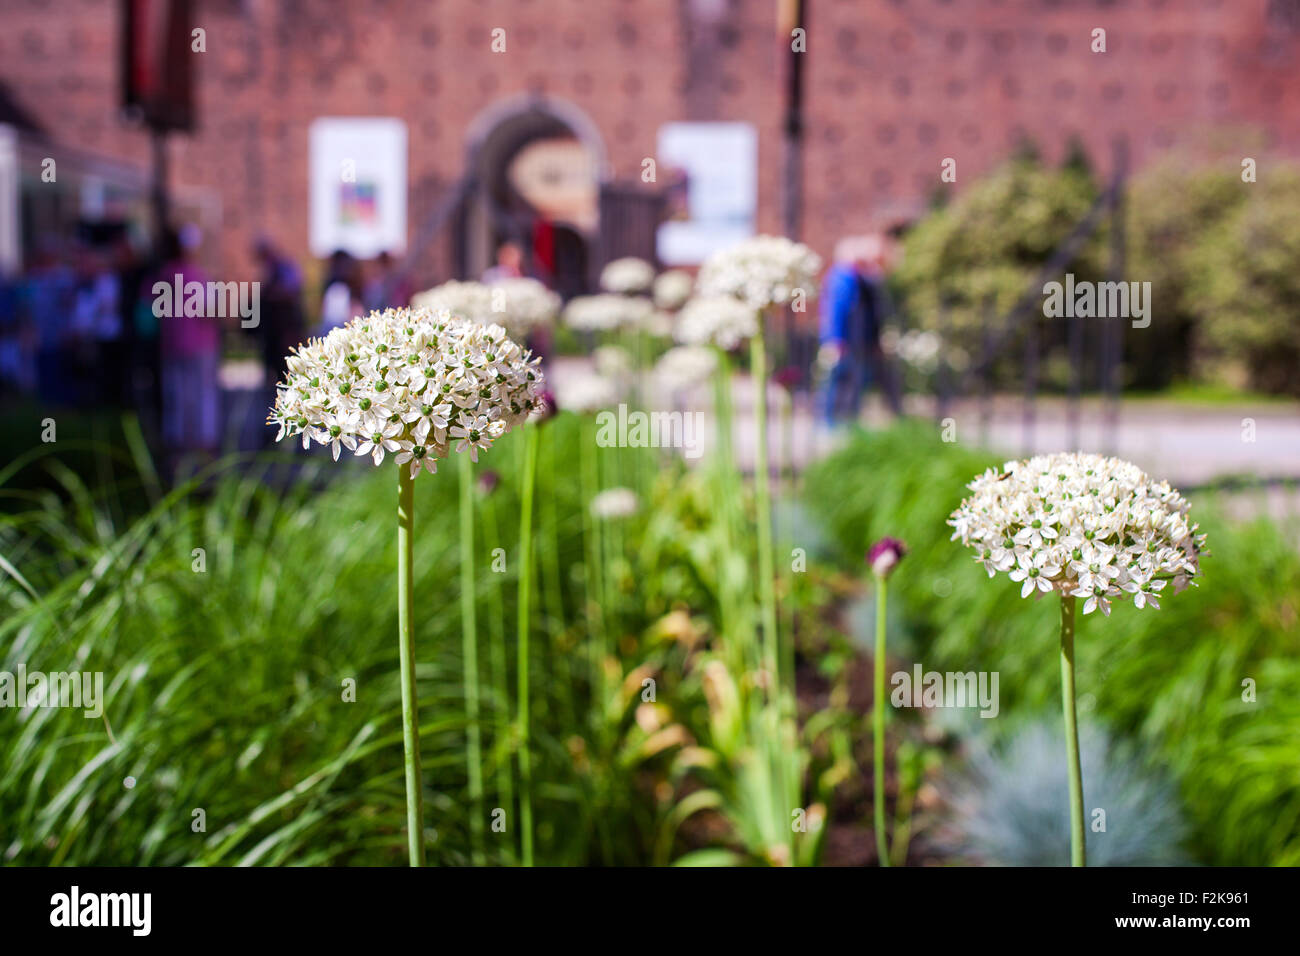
{"x": 358, "y": 185}
{"x": 713, "y": 172}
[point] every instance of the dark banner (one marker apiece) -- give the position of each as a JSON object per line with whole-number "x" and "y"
{"x": 158, "y": 62}
{"x": 1228, "y": 906}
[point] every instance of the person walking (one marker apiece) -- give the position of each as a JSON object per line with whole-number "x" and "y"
{"x": 850, "y": 326}
{"x": 190, "y": 357}
{"x": 281, "y": 323}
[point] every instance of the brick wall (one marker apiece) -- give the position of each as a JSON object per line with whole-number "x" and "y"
{"x": 893, "y": 87}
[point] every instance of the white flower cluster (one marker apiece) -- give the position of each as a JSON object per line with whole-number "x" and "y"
{"x": 672, "y": 289}
{"x": 612, "y": 361}
{"x": 471, "y": 301}
{"x": 919, "y": 349}
{"x": 1083, "y": 525}
{"x": 658, "y": 323}
{"x": 762, "y": 271}
{"x": 410, "y": 382}
{"x": 685, "y": 366}
{"x": 716, "y": 320}
{"x": 584, "y": 392}
{"x": 615, "y": 503}
{"x": 525, "y": 305}
{"x": 627, "y": 276}
{"x": 519, "y": 305}
{"x": 601, "y": 313}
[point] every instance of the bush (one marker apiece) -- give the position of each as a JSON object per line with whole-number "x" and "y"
{"x": 1245, "y": 285}
{"x": 1220, "y": 255}
{"x": 988, "y": 246}
{"x": 1171, "y": 208}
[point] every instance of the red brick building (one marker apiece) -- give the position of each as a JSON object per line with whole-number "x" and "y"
{"x": 892, "y": 87}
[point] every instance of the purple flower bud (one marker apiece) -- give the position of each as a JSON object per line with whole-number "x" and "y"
{"x": 488, "y": 481}
{"x": 547, "y": 408}
{"x": 788, "y": 377}
{"x": 884, "y": 554}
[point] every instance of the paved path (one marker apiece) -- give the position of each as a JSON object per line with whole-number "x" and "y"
{"x": 1189, "y": 445}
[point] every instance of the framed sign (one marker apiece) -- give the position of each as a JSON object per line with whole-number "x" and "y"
{"x": 357, "y": 180}
{"x": 712, "y": 169}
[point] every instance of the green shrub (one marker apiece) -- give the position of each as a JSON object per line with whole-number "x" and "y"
{"x": 1171, "y": 208}
{"x": 1219, "y": 253}
{"x": 1245, "y": 285}
{"x": 988, "y": 245}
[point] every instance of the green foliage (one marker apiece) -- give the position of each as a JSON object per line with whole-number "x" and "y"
{"x": 1172, "y": 679}
{"x": 1245, "y": 283}
{"x": 1171, "y": 209}
{"x": 988, "y": 245}
{"x": 1219, "y": 253}
{"x": 225, "y": 689}
{"x": 224, "y": 672}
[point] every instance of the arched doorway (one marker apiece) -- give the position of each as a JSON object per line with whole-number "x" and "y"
{"x": 538, "y": 164}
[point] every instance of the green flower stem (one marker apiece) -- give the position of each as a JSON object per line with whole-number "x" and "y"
{"x": 763, "y": 503}
{"x": 469, "y": 653}
{"x": 1077, "y": 833}
{"x": 780, "y": 704}
{"x": 591, "y": 563}
{"x": 521, "y": 670}
{"x": 406, "y": 644}
{"x": 726, "y": 482}
{"x": 498, "y": 677}
{"x": 878, "y": 708}
{"x": 785, "y": 469}
{"x": 611, "y": 470}
{"x": 553, "y": 587}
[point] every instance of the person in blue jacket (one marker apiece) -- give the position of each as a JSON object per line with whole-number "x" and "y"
{"x": 850, "y": 326}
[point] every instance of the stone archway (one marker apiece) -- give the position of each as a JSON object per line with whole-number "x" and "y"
{"x": 511, "y": 148}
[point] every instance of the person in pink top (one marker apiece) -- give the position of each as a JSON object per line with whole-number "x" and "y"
{"x": 191, "y": 347}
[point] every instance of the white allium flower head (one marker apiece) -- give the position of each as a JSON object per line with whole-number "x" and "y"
{"x": 615, "y": 503}
{"x": 1079, "y": 524}
{"x": 762, "y": 271}
{"x": 919, "y": 349}
{"x": 672, "y": 289}
{"x": 601, "y": 313}
{"x": 685, "y": 366}
{"x": 627, "y": 276}
{"x": 522, "y": 305}
{"x": 659, "y": 323}
{"x": 519, "y": 304}
{"x": 612, "y": 361}
{"x": 471, "y": 301}
{"x": 719, "y": 320}
{"x": 584, "y": 392}
{"x": 412, "y": 383}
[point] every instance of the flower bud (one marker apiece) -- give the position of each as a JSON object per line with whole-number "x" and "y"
{"x": 884, "y": 554}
